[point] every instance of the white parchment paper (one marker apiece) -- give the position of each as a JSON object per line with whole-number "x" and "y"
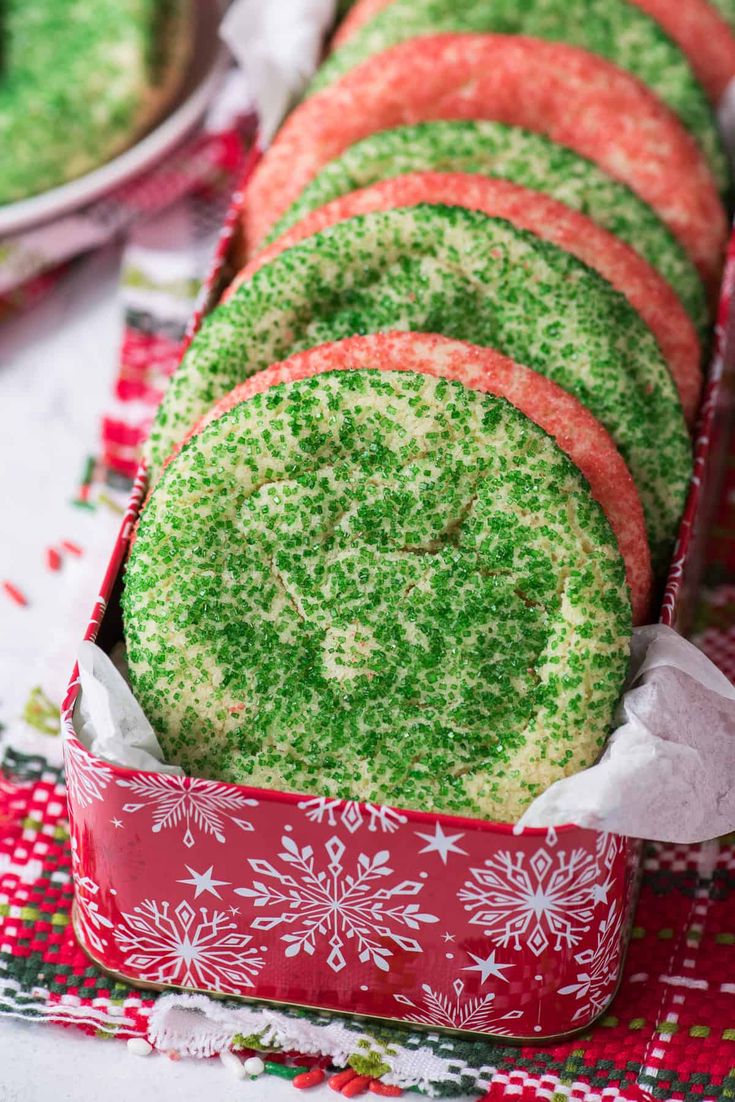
{"x": 668, "y": 770}
{"x": 667, "y": 773}
{"x": 108, "y": 719}
{"x": 278, "y": 45}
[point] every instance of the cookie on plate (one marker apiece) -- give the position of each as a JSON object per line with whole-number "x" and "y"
{"x": 703, "y": 29}
{"x": 80, "y": 82}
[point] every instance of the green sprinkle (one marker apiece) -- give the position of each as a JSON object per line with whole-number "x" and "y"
{"x": 394, "y": 588}
{"x": 284, "y": 1071}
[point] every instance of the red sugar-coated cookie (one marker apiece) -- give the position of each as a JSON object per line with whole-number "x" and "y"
{"x": 702, "y": 33}
{"x": 358, "y": 15}
{"x": 696, "y": 26}
{"x": 645, "y": 289}
{"x": 574, "y": 428}
{"x": 574, "y": 98}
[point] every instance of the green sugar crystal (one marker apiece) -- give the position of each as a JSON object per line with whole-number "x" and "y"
{"x": 382, "y": 586}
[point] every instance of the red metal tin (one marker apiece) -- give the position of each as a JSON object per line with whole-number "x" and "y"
{"x": 427, "y": 919}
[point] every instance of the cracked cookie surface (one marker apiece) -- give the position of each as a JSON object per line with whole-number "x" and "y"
{"x": 382, "y": 586}
{"x": 462, "y": 274}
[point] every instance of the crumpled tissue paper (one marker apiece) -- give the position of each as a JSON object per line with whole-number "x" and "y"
{"x": 668, "y": 769}
{"x": 278, "y": 46}
{"x": 667, "y": 772}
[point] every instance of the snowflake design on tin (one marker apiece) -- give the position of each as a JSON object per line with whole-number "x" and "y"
{"x": 598, "y": 976}
{"x": 86, "y": 776}
{"x": 187, "y": 947}
{"x": 334, "y": 905}
{"x": 89, "y": 920}
{"x": 608, "y": 848}
{"x": 189, "y": 802}
{"x": 548, "y": 900}
{"x": 324, "y": 809}
{"x": 457, "y": 1012}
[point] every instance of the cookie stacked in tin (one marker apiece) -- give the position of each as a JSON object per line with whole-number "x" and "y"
{"x": 422, "y": 469}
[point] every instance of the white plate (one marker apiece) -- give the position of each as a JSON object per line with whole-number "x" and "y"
{"x": 205, "y": 71}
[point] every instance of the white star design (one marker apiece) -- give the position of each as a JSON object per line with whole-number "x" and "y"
{"x": 599, "y": 892}
{"x": 234, "y": 910}
{"x": 441, "y": 843}
{"x": 447, "y": 937}
{"x": 203, "y": 882}
{"x": 487, "y": 967}
{"x": 116, "y": 822}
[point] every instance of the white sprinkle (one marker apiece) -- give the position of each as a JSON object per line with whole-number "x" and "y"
{"x": 139, "y": 1046}
{"x": 254, "y": 1066}
{"x": 233, "y": 1064}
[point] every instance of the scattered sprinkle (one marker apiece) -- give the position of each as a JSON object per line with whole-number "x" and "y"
{"x": 41, "y": 713}
{"x": 15, "y": 594}
{"x": 72, "y": 548}
{"x": 88, "y": 470}
{"x": 138, "y": 1046}
{"x": 110, "y": 503}
{"x": 358, "y": 1085}
{"x": 284, "y": 1071}
{"x": 310, "y": 1079}
{"x": 254, "y": 1066}
{"x": 233, "y": 1064}
{"x": 53, "y": 558}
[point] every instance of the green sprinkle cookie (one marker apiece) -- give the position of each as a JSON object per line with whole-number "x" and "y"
{"x": 727, "y": 9}
{"x": 613, "y": 29}
{"x": 79, "y": 81}
{"x": 575, "y": 98}
{"x": 704, "y": 33}
{"x": 378, "y": 586}
{"x": 462, "y": 274}
{"x": 511, "y": 153}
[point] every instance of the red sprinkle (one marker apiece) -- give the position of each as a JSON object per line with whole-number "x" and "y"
{"x": 358, "y": 1085}
{"x": 342, "y": 1078}
{"x": 15, "y": 594}
{"x": 310, "y": 1078}
{"x": 72, "y": 548}
{"x": 385, "y": 1089}
{"x": 53, "y": 559}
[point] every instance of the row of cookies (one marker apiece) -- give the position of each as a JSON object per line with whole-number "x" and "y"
{"x": 399, "y": 561}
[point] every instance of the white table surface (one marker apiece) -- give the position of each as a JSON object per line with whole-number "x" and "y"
{"x": 48, "y": 1064}
{"x": 57, "y": 365}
